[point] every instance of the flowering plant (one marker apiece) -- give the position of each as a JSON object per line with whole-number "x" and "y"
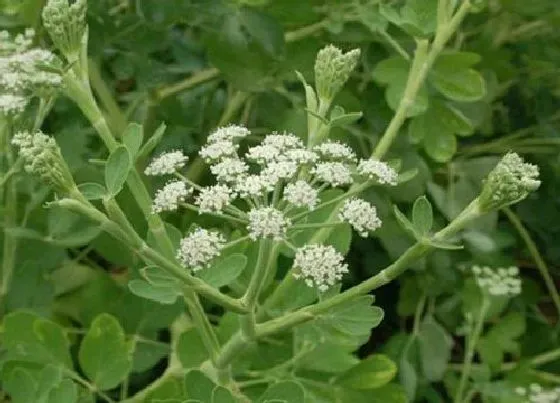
{"x": 251, "y": 259}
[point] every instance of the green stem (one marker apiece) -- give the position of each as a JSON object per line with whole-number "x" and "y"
{"x": 10, "y": 221}
{"x": 423, "y": 60}
{"x": 537, "y": 257}
{"x": 195, "y": 79}
{"x": 234, "y": 104}
{"x": 204, "y": 327}
{"x": 237, "y": 343}
{"x": 469, "y": 355}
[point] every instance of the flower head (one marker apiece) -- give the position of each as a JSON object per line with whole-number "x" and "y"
{"x": 12, "y": 105}
{"x": 320, "y": 266}
{"x": 218, "y": 150}
{"x": 229, "y": 170}
{"x": 333, "y": 173}
{"x": 166, "y": 163}
{"x": 42, "y": 157}
{"x": 361, "y": 215}
{"x": 380, "y": 171}
{"x": 336, "y": 151}
{"x": 267, "y": 222}
{"x": 509, "y": 182}
{"x": 66, "y": 24}
{"x": 333, "y": 69}
{"x": 501, "y": 281}
{"x": 301, "y": 194}
{"x": 170, "y": 196}
{"x": 199, "y": 248}
{"x": 228, "y": 133}
{"x": 535, "y": 393}
{"x": 214, "y": 198}
{"x": 254, "y": 185}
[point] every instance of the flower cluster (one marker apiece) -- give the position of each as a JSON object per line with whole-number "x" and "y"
{"x": 42, "y": 157}
{"x": 535, "y": 393}
{"x": 199, "y": 248}
{"x": 66, "y": 24}
{"x": 23, "y": 72}
{"x": 332, "y": 70}
{"x": 509, "y": 182}
{"x": 272, "y": 188}
{"x": 320, "y": 266}
{"x": 498, "y": 282}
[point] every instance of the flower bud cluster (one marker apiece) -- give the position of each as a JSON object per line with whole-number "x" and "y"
{"x": 498, "y": 282}
{"x": 66, "y": 24}
{"x": 42, "y": 157}
{"x": 535, "y": 393}
{"x": 333, "y": 69}
{"x": 24, "y": 72}
{"x": 272, "y": 187}
{"x": 509, "y": 182}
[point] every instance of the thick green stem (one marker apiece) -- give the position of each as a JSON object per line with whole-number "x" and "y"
{"x": 204, "y": 327}
{"x": 424, "y": 58}
{"x": 469, "y": 355}
{"x": 10, "y": 221}
{"x": 537, "y": 257}
{"x": 237, "y": 343}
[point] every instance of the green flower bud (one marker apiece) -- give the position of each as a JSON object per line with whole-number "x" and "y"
{"x": 41, "y": 156}
{"x": 332, "y": 70}
{"x": 66, "y": 25}
{"x": 509, "y": 182}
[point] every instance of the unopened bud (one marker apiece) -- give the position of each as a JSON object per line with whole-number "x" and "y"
{"x": 332, "y": 70}
{"x": 66, "y": 24}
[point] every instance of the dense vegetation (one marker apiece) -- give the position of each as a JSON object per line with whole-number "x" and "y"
{"x": 94, "y": 303}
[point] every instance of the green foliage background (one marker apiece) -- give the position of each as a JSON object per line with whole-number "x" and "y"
{"x": 199, "y": 64}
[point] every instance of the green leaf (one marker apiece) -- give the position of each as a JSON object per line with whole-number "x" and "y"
{"x": 371, "y": 373}
{"x": 92, "y": 191}
{"x": 65, "y": 392}
{"x": 452, "y": 76}
{"x": 159, "y": 278}
{"x": 346, "y": 119}
{"x": 422, "y": 215}
{"x": 354, "y": 317}
{"x": 501, "y": 339}
{"x": 152, "y": 142}
{"x": 419, "y": 17}
{"x": 441, "y": 146}
{"x": 116, "y": 170}
{"x": 163, "y": 294}
{"x": 224, "y": 271}
{"x": 405, "y": 223}
{"x": 191, "y": 350}
{"x": 435, "y": 349}
{"x": 222, "y": 395}
{"x": 284, "y": 391}
{"x": 133, "y": 138}
{"x": 198, "y": 386}
{"x": 30, "y": 338}
{"x": 21, "y": 386}
{"x": 104, "y": 354}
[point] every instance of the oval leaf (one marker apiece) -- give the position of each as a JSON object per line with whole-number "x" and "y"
{"x": 133, "y": 138}
{"x": 104, "y": 354}
{"x": 116, "y": 170}
{"x": 422, "y": 215}
{"x": 163, "y": 295}
{"x": 373, "y": 372}
{"x": 224, "y": 271}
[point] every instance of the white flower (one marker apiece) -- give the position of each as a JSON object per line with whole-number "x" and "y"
{"x": 333, "y": 173}
{"x": 320, "y": 266}
{"x": 380, "y": 171}
{"x": 277, "y": 171}
{"x": 253, "y": 186}
{"x": 228, "y": 133}
{"x": 301, "y": 194}
{"x": 168, "y": 198}
{"x": 262, "y": 154}
{"x": 11, "y": 104}
{"x": 166, "y": 163}
{"x": 267, "y": 222}
{"x": 336, "y": 151}
{"x": 282, "y": 142}
{"x": 218, "y": 150}
{"x": 301, "y": 156}
{"x": 501, "y": 281}
{"x": 199, "y": 248}
{"x": 229, "y": 170}
{"x": 361, "y": 215}
{"x": 535, "y": 393}
{"x": 17, "y": 44}
{"x": 214, "y": 198}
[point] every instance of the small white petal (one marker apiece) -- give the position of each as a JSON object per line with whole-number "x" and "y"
{"x": 169, "y": 198}
{"x": 320, "y": 266}
{"x": 380, "y": 171}
{"x": 199, "y": 248}
{"x": 214, "y": 198}
{"x": 166, "y": 163}
{"x": 267, "y": 222}
{"x": 361, "y": 215}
